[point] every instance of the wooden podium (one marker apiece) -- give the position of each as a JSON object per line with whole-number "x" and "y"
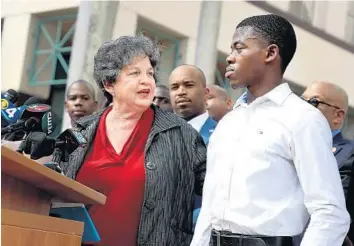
{"x": 27, "y": 189}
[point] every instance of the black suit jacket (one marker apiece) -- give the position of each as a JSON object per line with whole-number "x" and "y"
{"x": 350, "y": 196}
{"x": 175, "y": 165}
{"x": 342, "y": 149}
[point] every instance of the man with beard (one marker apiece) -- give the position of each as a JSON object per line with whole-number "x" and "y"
{"x": 188, "y": 96}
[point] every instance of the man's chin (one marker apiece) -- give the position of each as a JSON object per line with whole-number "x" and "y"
{"x": 77, "y": 116}
{"x": 237, "y": 84}
{"x": 185, "y": 113}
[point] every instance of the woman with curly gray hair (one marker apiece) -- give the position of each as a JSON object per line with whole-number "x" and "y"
{"x": 148, "y": 162}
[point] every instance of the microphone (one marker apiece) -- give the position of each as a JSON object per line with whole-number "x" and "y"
{"x": 38, "y": 145}
{"x": 9, "y": 112}
{"x": 11, "y": 95}
{"x": 34, "y": 117}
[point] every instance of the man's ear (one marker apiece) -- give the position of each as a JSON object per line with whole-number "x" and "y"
{"x": 271, "y": 53}
{"x": 206, "y": 94}
{"x": 66, "y": 106}
{"x": 340, "y": 116}
{"x": 95, "y": 106}
{"x": 229, "y": 104}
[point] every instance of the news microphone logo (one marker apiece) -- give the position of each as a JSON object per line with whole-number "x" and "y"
{"x": 4, "y": 103}
{"x": 9, "y": 113}
{"x": 47, "y": 123}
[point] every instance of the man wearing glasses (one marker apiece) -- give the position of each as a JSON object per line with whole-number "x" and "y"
{"x": 332, "y": 101}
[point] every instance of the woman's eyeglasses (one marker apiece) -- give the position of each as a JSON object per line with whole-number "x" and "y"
{"x": 315, "y": 102}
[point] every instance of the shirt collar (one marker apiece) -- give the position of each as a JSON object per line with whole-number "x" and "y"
{"x": 277, "y": 95}
{"x": 198, "y": 121}
{"x": 335, "y": 132}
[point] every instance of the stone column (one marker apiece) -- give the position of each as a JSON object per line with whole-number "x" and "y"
{"x": 94, "y": 24}
{"x": 208, "y": 33}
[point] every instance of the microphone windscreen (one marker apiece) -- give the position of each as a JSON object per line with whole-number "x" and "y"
{"x": 38, "y": 145}
{"x": 33, "y": 100}
{"x": 12, "y": 95}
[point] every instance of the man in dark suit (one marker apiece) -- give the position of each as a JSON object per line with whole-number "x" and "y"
{"x": 188, "y": 93}
{"x": 350, "y": 196}
{"x": 332, "y": 101}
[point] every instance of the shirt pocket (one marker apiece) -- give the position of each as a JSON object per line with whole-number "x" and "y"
{"x": 269, "y": 138}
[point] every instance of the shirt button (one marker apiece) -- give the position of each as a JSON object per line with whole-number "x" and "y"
{"x": 151, "y": 165}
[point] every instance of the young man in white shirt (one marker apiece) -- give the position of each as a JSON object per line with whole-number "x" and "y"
{"x": 270, "y": 165}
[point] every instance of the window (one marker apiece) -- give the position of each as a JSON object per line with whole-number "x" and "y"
{"x": 170, "y": 46}
{"x": 51, "y": 54}
{"x": 303, "y": 9}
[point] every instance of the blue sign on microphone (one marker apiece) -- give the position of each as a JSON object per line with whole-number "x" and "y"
{"x": 9, "y": 112}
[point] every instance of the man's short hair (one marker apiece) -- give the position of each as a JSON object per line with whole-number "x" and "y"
{"x": 81, "y": 81}
{"x": 274, "y": 29}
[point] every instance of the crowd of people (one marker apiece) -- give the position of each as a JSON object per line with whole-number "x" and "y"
{"x": 182, "y": 165}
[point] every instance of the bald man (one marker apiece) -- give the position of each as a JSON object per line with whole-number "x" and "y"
{"x": 332, "y": 101}
{"x": 218, "y": 102}
{"x": 188, "y": 94}
{"x": 80, "y": 100}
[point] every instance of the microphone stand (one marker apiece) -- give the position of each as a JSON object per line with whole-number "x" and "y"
{"x": 54, "y": 164}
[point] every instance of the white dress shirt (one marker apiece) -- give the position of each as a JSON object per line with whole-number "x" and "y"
{"x": 198, "y": 122}
{"x": 269, "y": 167}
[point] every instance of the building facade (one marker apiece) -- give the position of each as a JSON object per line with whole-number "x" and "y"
{"x": 46, "y": 45}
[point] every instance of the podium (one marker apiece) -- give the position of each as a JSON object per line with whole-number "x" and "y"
{"x": 27, "y": 189}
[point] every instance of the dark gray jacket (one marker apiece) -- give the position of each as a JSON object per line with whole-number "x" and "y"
{"x": 175, "y": 164}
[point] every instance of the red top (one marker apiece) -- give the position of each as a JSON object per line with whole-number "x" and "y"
{"x": 121, "y": 178}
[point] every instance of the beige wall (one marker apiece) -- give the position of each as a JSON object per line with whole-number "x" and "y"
{"x": 315, "y": 58}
